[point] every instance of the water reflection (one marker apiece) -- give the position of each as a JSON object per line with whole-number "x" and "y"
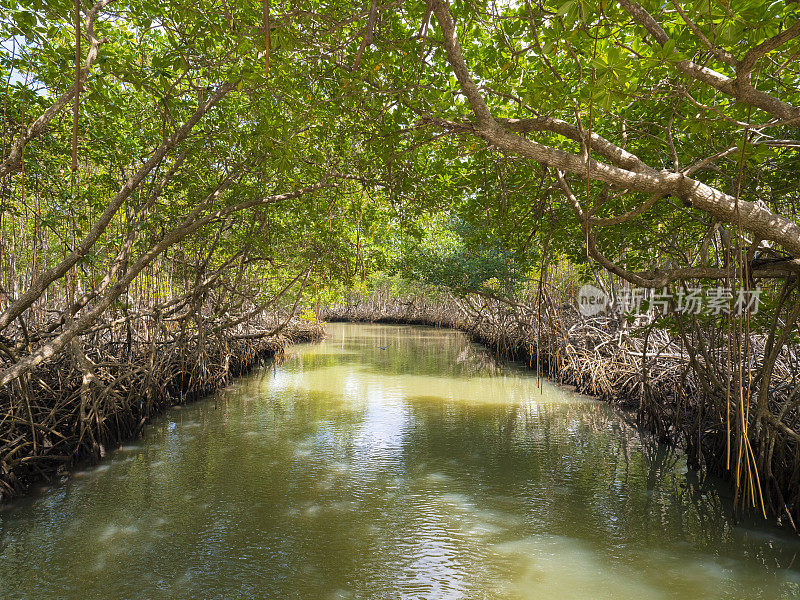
{"x": 423, "y": 471}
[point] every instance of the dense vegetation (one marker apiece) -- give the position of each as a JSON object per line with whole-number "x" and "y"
{"x": 175, "y": 173}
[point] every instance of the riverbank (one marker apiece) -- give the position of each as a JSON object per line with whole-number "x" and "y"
{"x": 83, "y": 404}
{"x": 649, "y": 372}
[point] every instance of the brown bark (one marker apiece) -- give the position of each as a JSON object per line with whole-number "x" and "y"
{"x": 40, "y": 284}
{"x": 739, "y": 87}
{"x": 188, "y": 225}
{"x": 13, "y": 162}
{"x": 751, "y": 217}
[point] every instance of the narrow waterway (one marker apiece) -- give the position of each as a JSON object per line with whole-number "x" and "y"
{"x": 389, "y": 462}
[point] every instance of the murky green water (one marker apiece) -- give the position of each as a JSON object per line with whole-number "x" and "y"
{"x": 422, "y": 471}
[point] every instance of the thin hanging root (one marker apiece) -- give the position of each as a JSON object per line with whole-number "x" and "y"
{"x": 76, "y": 101}
{"x": 758, "y": 480}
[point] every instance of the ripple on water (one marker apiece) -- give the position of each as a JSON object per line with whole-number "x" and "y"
{"x": 437, "y": 477}
{"x": 384, "y": 476}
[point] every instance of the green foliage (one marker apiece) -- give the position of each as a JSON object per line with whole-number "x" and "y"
{"x": 459, "y": 256}
{"x": 443, "y": 210}
{"x": 308, "y": 315}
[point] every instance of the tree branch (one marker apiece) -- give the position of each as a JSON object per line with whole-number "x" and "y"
{"x": 753, "y": 218}
{"x": 40, "y": 284}
{"x": 738, "y": 88}
{"x": 188, "y": 225}
{"x": 748, "y": 62}
{"x": 13, "y": 161}
{"x": 721, "y": 54}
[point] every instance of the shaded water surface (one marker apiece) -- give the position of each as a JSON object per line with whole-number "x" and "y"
{"x": 420, "y": 471}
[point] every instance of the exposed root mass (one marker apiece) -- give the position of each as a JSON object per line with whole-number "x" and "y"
{"x": 85, "y": 402}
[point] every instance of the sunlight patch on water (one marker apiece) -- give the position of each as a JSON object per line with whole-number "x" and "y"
{"x": 549, "y": 566}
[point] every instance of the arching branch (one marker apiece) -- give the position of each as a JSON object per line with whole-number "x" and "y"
{"x": 190, "y": 223}
{"x": 729, "y": 209}
{"x": 40, "y": 284}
